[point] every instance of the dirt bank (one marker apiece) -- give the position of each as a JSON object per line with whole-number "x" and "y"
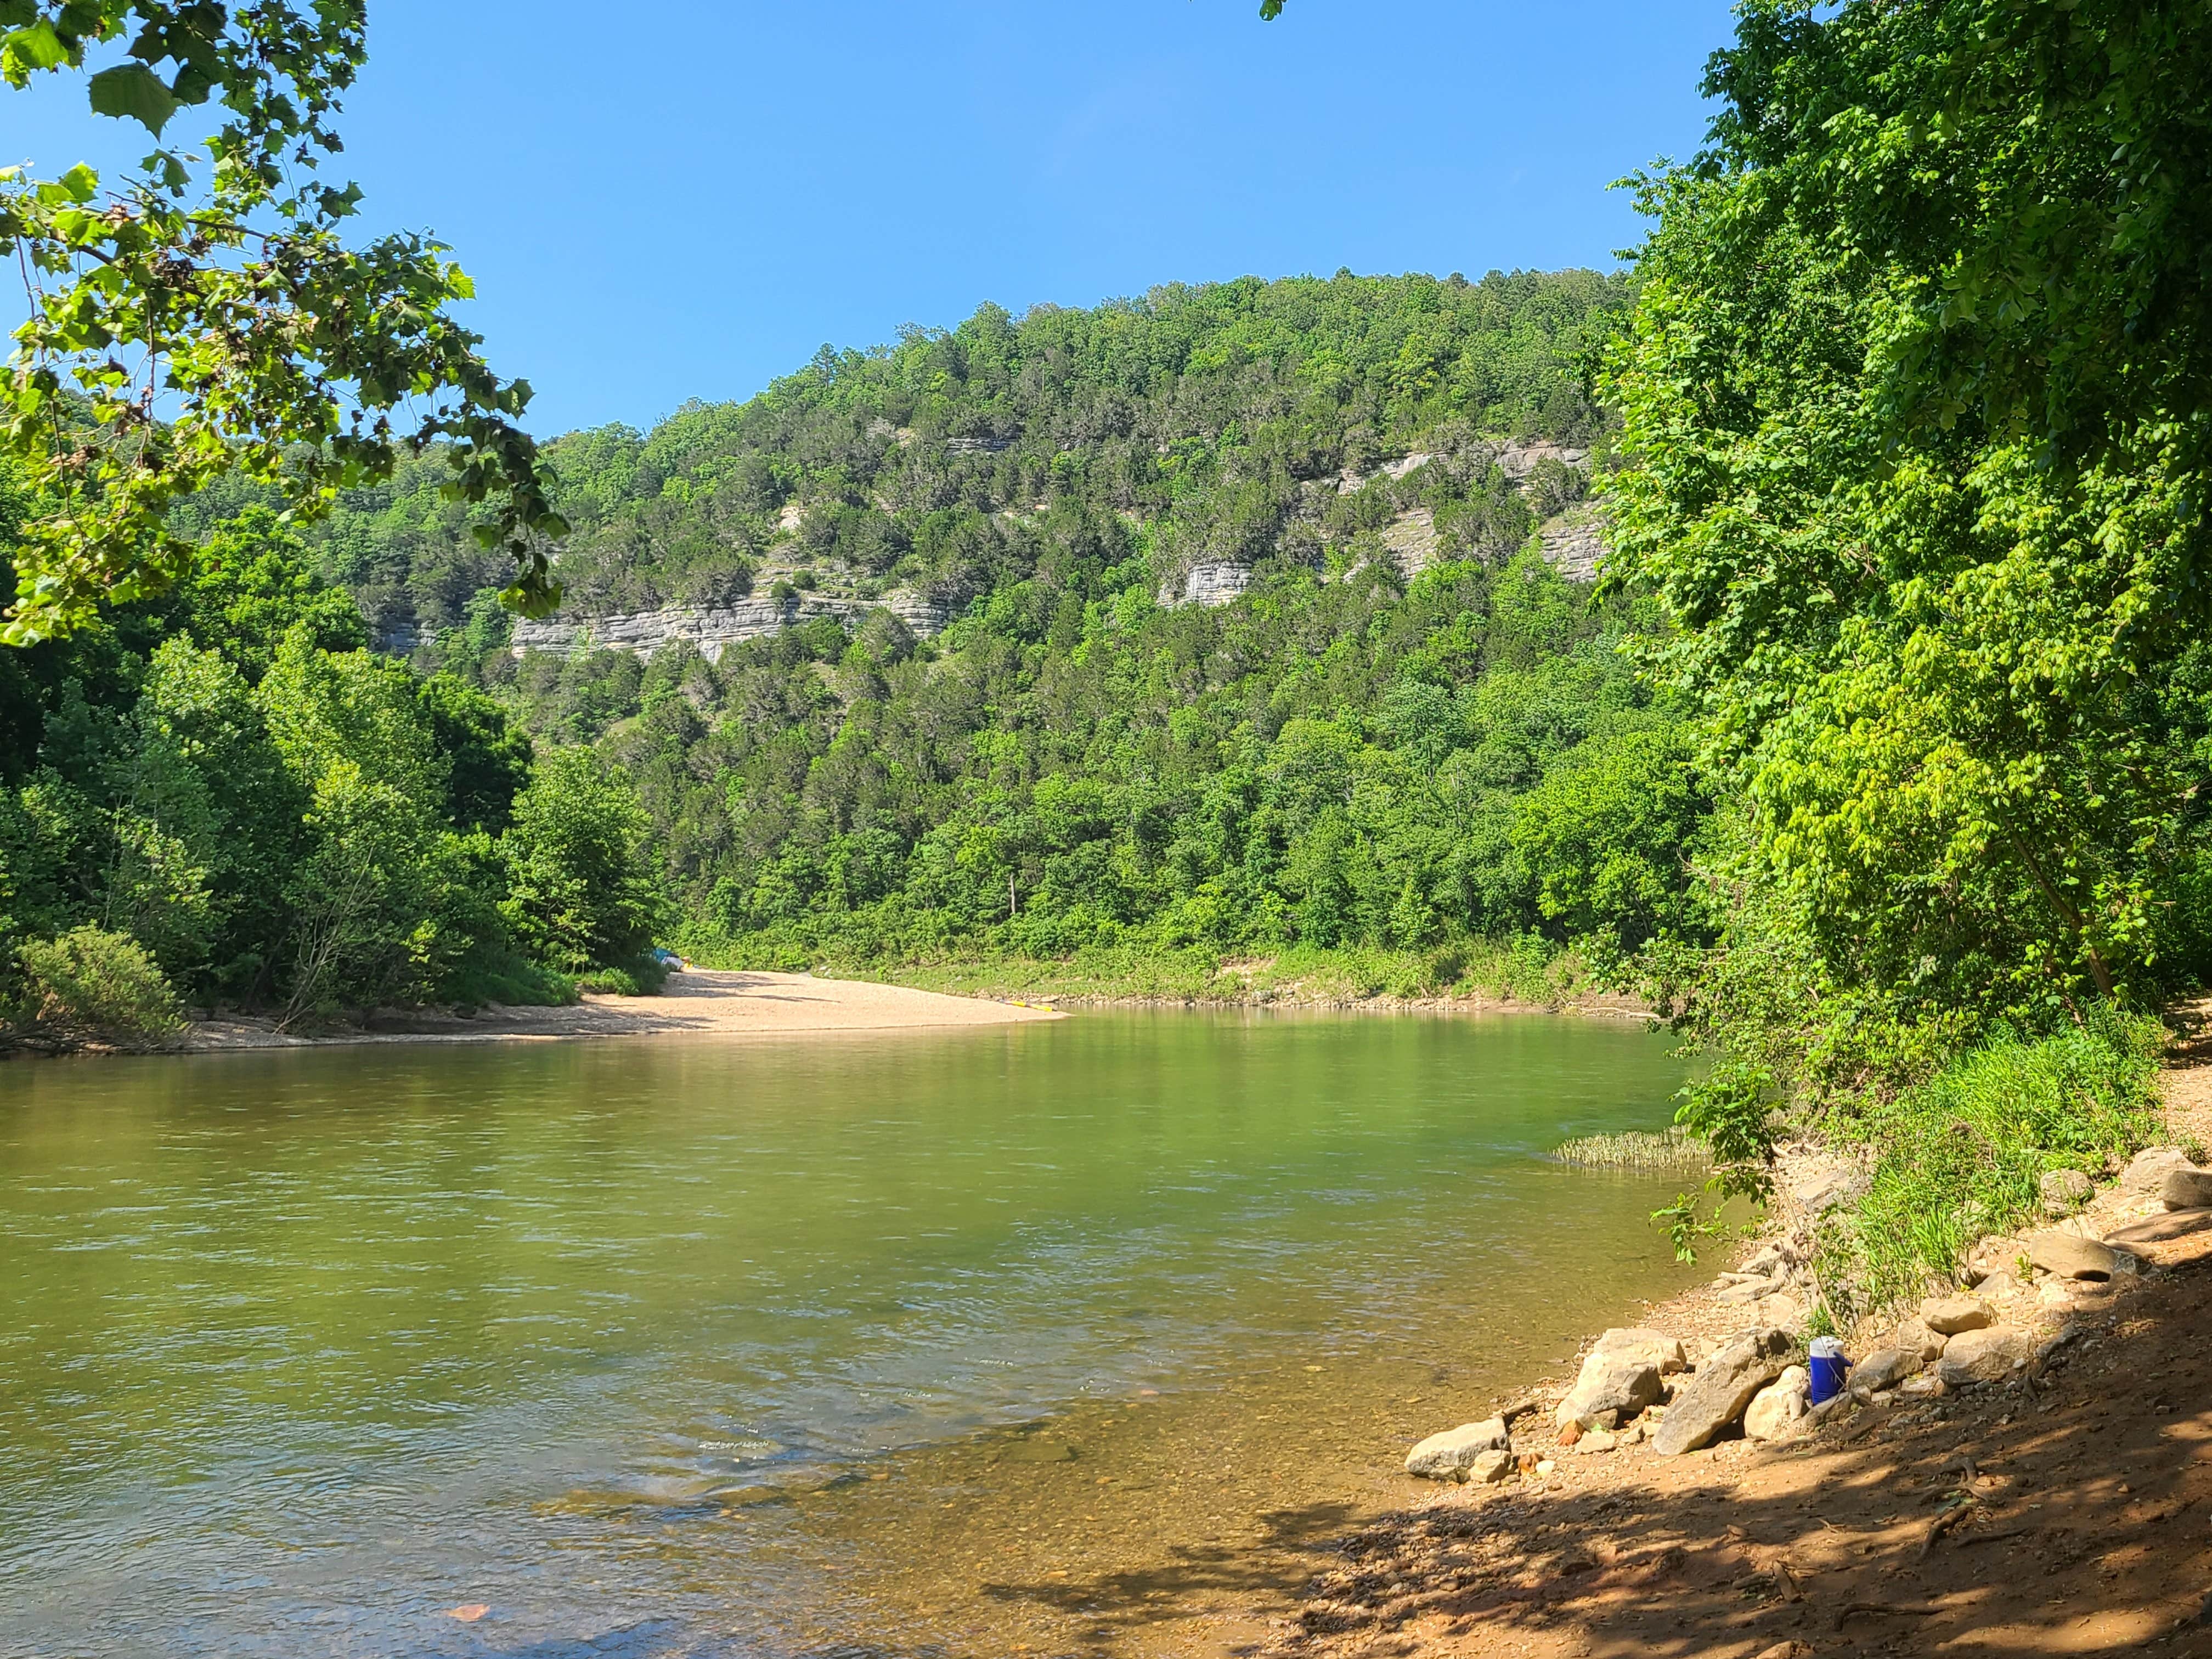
{"x": 2076, "y": 1503}
{"x": 699, "y": 1003}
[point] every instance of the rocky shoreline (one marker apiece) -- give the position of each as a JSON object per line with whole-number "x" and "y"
{"x": 1679, "y": 1493}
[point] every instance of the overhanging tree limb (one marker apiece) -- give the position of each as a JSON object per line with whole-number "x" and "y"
{"x": 257, "y": 341}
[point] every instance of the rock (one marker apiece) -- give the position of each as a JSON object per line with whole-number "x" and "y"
{"x": 1785, "y": 1651}
{"x": 1774, "y": 1409}
{"x": 1884, "y": 1368}
{"x": 1917, "y": 1343}
{"x": 1763, "y": 1264}
{"x": 1987, "y": 1354}
{"x": 1786, "y": 1311}
{"x": 2175, "y": 1223}
{"x": 1921, "y": 1386}
{"x": 1635, "y": 1342}
{"x": 1620, "y": 1374}
{"x": 1490, "y": 1467}
{"x": 1597, "y": 1440}
{"x": 2065, "y": 1191}
{"x": 1449, "y": 1455}
{"x": 1745, "y": 1290}
{"x": 1819, "y": 1184}
{"x": 1947, "y": 1316}
{"x": 2186, "y": 1190}
{"x": 2066, "y": 1256}
{"x": 2147, "y": 1173}
{"x": 1717, "y": 1394}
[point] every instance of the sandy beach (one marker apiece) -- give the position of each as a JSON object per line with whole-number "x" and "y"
{"x": 700, "y": 1002}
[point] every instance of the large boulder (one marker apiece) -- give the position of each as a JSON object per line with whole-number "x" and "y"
{"x": 1987, "y": 1355}
{"x": 1450, "y": 1456}
{"x": 1947, "y": 1316}
{"x": 2066, "y": 1255}
{"x": 1716, "y": 1395}
{"x": 1620, "y": 1374}
{"x": 2186, "y": 1188}
{"x": 1777, "y": 1408}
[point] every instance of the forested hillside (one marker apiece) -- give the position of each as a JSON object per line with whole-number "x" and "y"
{"x": 1218, "y": 423}
{"x": 1384, "y": 743}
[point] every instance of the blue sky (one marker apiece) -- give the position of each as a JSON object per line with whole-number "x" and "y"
{"x": 686, "y": 200}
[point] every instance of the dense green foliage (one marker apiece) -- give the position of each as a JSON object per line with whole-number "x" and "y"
{"x": 214, "y": 285}
{"x": 223, "y": 794}
{"x": 1917, "y": 410}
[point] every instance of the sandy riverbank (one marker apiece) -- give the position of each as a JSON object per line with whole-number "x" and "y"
{"x": 698, "y": 1003}
{"x": 2065, "y": 1511}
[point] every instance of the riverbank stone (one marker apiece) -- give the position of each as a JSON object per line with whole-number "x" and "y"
{"x": 1451, "y": 1455}
{"x": 2186, "y": 1188}
{"x": 1620, "y": 1376}
{"x": 2157, "y": 1229}
{"x": 1717, "y": 1394}
{"x": 2147, "y": 1171}
{"x": 1986, "y": 1355}
{"x": 1775, "y": 1408}
{"x": 2065, "y": 1255}
{"x": 1917, "y": 1343}
{"x": 1949, "y": 1315}
{"x": 1884, "y": 1368}
{"x": 1490, "y": 1467}
{"x": 2064, "y": 1191}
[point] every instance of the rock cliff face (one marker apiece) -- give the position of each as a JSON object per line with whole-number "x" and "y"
{"x": 1211, "y": 584}
{"x": 1572, "y": 541}
{"x": 1575, "y": 541}
{"x": 712, "y": 628}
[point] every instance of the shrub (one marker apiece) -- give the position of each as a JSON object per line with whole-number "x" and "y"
{"x": 640, "y": 976}
{"x": 89, "y": 982}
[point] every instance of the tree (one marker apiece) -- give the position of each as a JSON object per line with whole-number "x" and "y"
{"x": 583, "y": 890}
{"x": 202, "y": 318}
{"x": 1918, "y": 400}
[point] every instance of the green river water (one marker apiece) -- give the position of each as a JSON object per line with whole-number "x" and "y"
{"x": 1066, "y": 1338}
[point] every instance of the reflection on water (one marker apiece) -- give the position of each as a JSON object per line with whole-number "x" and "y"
{"x": 1068, "y": 1337}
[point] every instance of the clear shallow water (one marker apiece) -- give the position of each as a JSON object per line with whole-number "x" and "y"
{"x": 1069, "y": 1337}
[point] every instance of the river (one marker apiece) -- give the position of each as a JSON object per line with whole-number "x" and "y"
{"x": 1064, "y": 1337}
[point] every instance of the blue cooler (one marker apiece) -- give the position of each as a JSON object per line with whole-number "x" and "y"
{"x": 1828, "y": 1368}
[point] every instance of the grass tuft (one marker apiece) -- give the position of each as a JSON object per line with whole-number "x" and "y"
{"x": 1963, "y": 1156}
{"x": 1637, "y": 1149}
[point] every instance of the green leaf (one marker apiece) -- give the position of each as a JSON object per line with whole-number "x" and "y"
{"x": 133, "y": 92}
{"x": 27, "y": 50}
{"x": 81, "y": 183}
